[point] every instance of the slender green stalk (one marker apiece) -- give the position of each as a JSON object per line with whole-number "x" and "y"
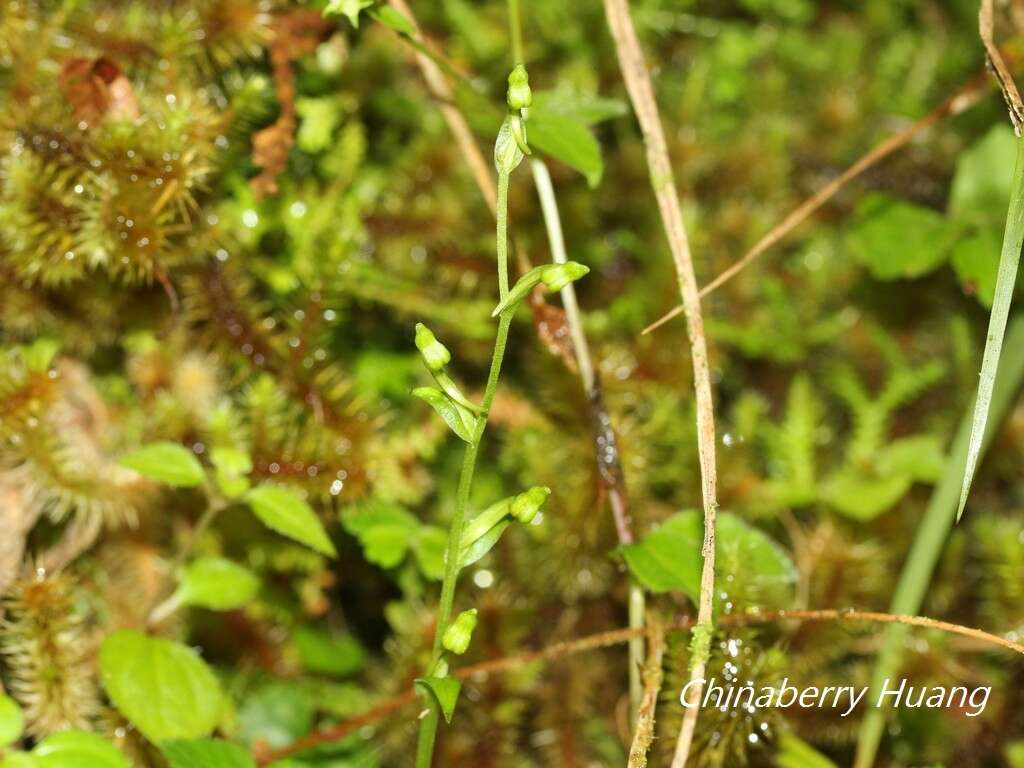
{"x": 931, "y": 536}
{"x": 428, "y": 726}
{"x": 516, "y": 31}
{"x": 1013, "y": 238}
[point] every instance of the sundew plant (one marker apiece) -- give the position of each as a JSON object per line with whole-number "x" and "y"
{"x": 511, "y": 384}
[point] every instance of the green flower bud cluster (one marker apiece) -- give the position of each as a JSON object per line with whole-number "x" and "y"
{"x": 460, "y": 632}
{"x": 554, "y": 277}
{"x": 458, "y": 412}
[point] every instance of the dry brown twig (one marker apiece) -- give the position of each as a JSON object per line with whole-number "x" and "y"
{"x": 643, "y": 735}
{"x": 641, "y": 94}
{"x": 995, "y": 61}
{"x": 614, "y": 637}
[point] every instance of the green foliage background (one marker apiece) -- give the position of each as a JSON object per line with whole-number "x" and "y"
{"x": 158, "y": 285}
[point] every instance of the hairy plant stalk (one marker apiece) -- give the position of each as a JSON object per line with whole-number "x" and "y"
{"x": 428, "y": 726}
{"x": 606, "y": 453}
{"x": 932, "y": 532}
{"x": 641, "y": 94}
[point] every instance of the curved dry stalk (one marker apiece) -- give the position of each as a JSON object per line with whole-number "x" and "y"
{"x": 998, "y": 66}
{"x": 641, "y": 94}
{"x": 643, "y": 735}
{"x": 614, "y": 637}
{"x": 965, "y": 98}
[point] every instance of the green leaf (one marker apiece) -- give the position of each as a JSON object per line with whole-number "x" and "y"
{"x": 794, "y": 753}
{"x": 429, "y": 546}
{"x": 568, "y": 140}
{"x": 668, "y": 558}
{"x": 349, "y": 8}
{"x": 519, "y": 291}
{"x": 976, "y": 262}
{"x": 386, "y": 545}
{"x": 284, "y": 511}
{"x": 12, "y": 722}
{"x": 218, "y": 584}
{"x": 919, "y": 457}
{"x": 163, "y": 688}
{"x": 483, "y": 544}
{"x": 205, "y": 753}
{"x": 19, "y": 760}
{"x": 984, "y": 178}
{"x": 581, "y": 107}
{"x": 168, "y": 463}
{"x": 896, "y": 239}
{"x": 389, "y": 17}
{"x": 1013, "y": 238}
{"x": 77, "y": 749}
{"x": 323, "y": 653}
{"x": 277, "y": 713}
{"x": 459, "y": 419}
{"x": 864, "y": 497}
{"x": 445, "y": 692}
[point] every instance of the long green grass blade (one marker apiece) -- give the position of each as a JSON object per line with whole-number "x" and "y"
{"x": 932, "y": 532}
{"x": 1013, "y": 238}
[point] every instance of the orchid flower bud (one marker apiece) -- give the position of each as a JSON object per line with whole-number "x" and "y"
{"x": 519, "y": 95}
{"x": 435, "y": 354}
{"x": 457, "y": 636}
{"x": 527, "y": 504}
{"x": 557, "y": 276}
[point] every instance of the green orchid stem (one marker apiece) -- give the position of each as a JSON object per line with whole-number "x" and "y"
{"x": 429, "y": 723}
{"x": 516, "y": 28}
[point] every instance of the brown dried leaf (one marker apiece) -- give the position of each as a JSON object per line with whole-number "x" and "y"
{"x": 553, "y": 329}
{"x": 97, "y": 88}
{"x": 295, "y": 35}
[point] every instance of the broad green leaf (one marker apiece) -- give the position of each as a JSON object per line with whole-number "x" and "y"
{"x": 580, "y": 107}
{"x": 348, "y": 8}
{"x": 218, "y": 584}
{"x": 984, "y": 178}
{"x": 323, "y": 653}
{"x": 386, "y": 545}
{"x": 231, "y": 460}
{"x": 277, "y": 713}
{"x": 444, "y": 691}
{"x": 919, "y": 457}
{"x": 77, "y": 749}
{"x": 459, "y": 419}
{"x": 668, "y": 558}
{"x": 164, "y": 688}
{"x": 1013, "y": 238}
{"x": 370, "y": 513}
{"x": 975, "y": 260}
{"x": 389, "y": 17}
{"x": 12, "y": 722}
{"x": 794, "y": 753}
{"x": 168, "y": 463}
{"x": 864, "y": 497}
{"x": 567, "y": 140}
{"x": 896, "y": 239}
{"x": 284, "y": 511}
{"x": 205, "y": 753}
{"x": 429, "y": 546}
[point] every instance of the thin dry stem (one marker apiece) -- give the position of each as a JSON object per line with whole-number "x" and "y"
{"x": 442, "y": 92}
{"x": 643, "y": 735}
{"x": 963, "y": 99}
{"x": 641, "y": 94}
{"x": 998, "y": 66}
{"x": 614, "y": 637}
